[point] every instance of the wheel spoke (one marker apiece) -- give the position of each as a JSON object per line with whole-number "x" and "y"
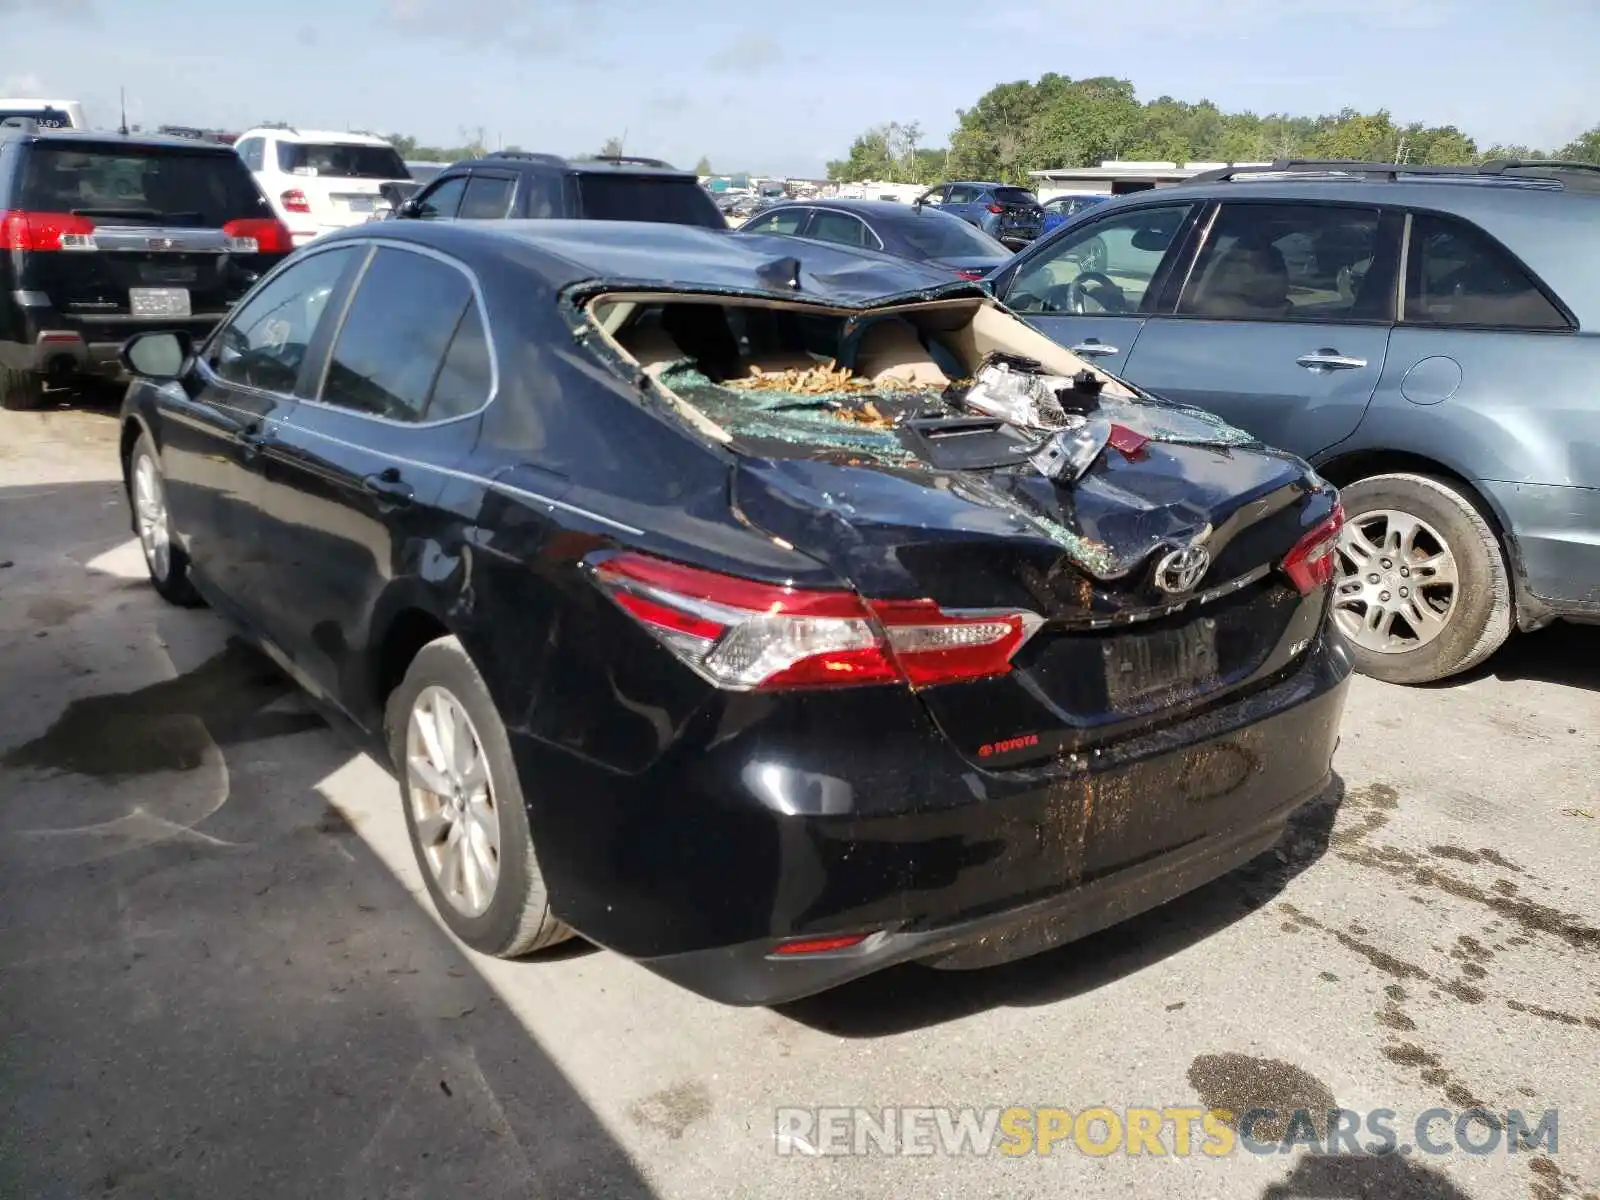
{"x": 432, "y": 829}
{"x": 1354, "y": 542}
{"x": 425, "y": 720}
{"x": 486, "y": 820}
{"x": 1436, "y": 568}
{"x": 1423, "y": 617}
{"x": 428, "y": 775}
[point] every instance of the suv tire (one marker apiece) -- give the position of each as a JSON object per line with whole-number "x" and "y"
{"x": 21, "y": 390}
{"x": 1419, "y": 564}
{"x": 508, "y": 915}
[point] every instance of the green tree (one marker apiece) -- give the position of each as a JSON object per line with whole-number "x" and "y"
{"x": 1585, "y": 148}
{"x": 611, "y": 148}
{"x": 703, "y": 167}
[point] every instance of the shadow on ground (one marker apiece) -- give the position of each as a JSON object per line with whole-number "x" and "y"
{"x": 211, "y": 987}
{"x": 1561, "y": 653}
{"x": 914, "y": 997}
{"x": 1335, "y": 1177}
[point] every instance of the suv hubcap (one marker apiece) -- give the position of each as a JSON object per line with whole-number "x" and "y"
{"x": 452, "y": 800}
{"x": 150, "y": 511}
{"x": 1396, "y": 584}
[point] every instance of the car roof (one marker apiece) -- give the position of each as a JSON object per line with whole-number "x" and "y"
{"x": 325, "y": 136}
{"x": 648, "y": 255}
{"x": 887, "y": 210}
{"x": 1554, "y": 232}
{"x": 105, "y": 138}
{"x": 969, "y": 183}
{"x": 511, "y": 159}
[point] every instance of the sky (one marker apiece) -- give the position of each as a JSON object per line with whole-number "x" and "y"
{"x": 783, "y": 86}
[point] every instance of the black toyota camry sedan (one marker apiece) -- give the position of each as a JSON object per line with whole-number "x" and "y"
{"x": 767, "y": 613}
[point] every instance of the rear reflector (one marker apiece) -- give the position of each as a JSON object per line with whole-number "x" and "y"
{"x": 258, "y": 235}
{"x": 969, "y": 273}
{"x": 294, "y": 200}
{"x": 1310, "y": 564}
{"x": 997, "y": 208}
{"x": 45, "y": 231}
{"x": 741, "y": 634}
{"x": 819, "y": 945}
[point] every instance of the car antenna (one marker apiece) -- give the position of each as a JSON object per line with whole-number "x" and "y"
{"x": 123, "y": 128}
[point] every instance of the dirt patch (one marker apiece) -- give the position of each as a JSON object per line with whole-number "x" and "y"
{"x": 1455, "y": 852}
{"x": 1463, "y": 991}
{"x": 1239, "y": 1084}
{"x": 672, "y": 1110}
{"x": 50, "y": 611}
{"x": 1548, "y": 1014}
{"x": 1392, "y": 1018}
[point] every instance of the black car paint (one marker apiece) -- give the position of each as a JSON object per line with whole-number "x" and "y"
{"x": 712, "y": 823}
{"x": 885, "y": 219}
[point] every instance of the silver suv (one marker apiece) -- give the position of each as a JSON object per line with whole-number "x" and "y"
{"x": 1425, "y": 336}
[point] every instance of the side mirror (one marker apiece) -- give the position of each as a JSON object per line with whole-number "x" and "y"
{"x": 408, "y": 208}
{"x": 157, "y": 354}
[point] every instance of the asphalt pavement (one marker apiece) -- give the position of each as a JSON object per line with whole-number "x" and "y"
{"x": 220, "y": 975}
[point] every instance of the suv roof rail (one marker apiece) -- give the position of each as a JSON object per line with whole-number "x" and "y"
{"x": 277, "y": 125}
{"x": 618, "y": 160}
{"x": 554, "y": 160}
{"x": 1575, "y": 175}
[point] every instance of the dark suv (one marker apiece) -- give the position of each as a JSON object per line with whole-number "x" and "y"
{"x": 102, "y": 235}
{"x": 515, "y": 185}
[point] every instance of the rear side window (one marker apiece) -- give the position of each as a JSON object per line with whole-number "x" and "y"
{"x": 1290, "y": 262}
{"x": 157, "y": 184}
{"x": 395, "y": 336}
{"x": 541, "y": 194}
{"x": 665, "y": 199}
{"x": 1458, "y": 276}
{"x": 341, "y": 161}
{"x": 488, "y": 198}
{"x": 788, "y": 221}
{"x": 962, "y": 193}
{"x": 466, "y": 374}
{"x": 250, "y": 150}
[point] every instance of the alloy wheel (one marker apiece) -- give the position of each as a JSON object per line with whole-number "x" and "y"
{"x": 453, "y": 803}
{"x": 150, "y": 514}
{"x": 1396, "y": 583}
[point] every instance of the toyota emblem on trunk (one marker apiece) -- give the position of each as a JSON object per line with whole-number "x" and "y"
{"x": 1181, "y": 569}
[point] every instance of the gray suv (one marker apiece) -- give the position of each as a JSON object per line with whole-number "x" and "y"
{"x": 1426, "y": 337}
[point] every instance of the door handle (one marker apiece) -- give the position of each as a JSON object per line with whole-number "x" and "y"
{"x": 1330, "y": 360}
{"x": 1094, "y": 349}
{"x": 388, "y": 486}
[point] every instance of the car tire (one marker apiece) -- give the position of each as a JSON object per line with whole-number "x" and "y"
{"x": 152, "y": 520}
{"x": 1405, "y": 536}
{"x": 21, "y": 390}
{"x": 473, "y": 845}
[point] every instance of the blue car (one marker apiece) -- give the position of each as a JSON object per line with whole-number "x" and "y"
{"x": 1426, "y": 337}
{"x": 1010, "y": 215}
{"x": 1062, "y": 209}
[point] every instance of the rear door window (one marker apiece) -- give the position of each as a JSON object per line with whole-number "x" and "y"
{"x": 250, "y": 150}
{"x": 160, "y": 185}
{"x": 399, "y": 325}
{"x": 1459, "y": 276}
{"x": 341, "y": 161}
{"x": 439, "y": 202}
{"x": 488, "y": 198}
{"x": 962, "y": 193}
{"x": 840, "y": 228}
{"x": 789, "y": 221}
{"x": 1290, "y": 262}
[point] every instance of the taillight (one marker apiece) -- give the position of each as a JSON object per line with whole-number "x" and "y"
{"x": 294, "y": 200}
{"x": 743, "y": 635}
{"x": 1310, "y": 564}
{"x": 997, "y": 208}
{"x": 46, "y": 231}
{"x": 969, "y": 273}
{"x": 258, "y": 235}
{"x": 821, "y": 945}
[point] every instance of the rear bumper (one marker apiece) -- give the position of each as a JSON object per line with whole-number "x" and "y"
{"x": 69, "y": 345}
{"x": 700, "y": 869}
{"x": 1556, "y": 533}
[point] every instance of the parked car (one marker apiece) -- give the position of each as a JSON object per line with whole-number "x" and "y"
{"x": 101, "y": 235}
{"x": 918, "y": 232}
{"x": 319, "y": 181}
{"x": 1425, "y": 336}
{"x": 46, "y": 114}
{"x": 1061, "y": 209}
{"x": 519, "y": 184}
{"x": 426, "y": 172}
{"x": 764, "y": 691}
{"x": 1010, "y": 215}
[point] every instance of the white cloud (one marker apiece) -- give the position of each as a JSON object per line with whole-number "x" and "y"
{"x": 519, "y": 26}
{"x": 22, "y": 85}
{"x": 749, "y": 53}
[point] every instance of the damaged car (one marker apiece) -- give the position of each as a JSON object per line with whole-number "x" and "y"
{"x": 766, "y": 614}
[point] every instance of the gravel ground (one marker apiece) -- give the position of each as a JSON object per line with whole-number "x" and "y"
{"x": 220, "y": 975}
